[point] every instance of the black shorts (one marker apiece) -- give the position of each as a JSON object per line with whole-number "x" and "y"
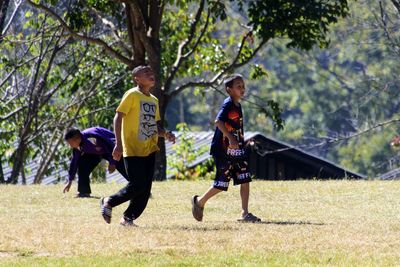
{"x": 234, "y": 166}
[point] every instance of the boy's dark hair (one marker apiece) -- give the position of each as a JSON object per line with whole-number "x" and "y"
{"x": 138, "y": 69}
{"x": 228, "y": 81}
{"x": 71, "y": 133}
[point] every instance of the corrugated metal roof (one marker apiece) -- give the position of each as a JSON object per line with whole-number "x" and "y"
{"x": 391, "y": 175}
{"x": 200, "y": 139}
{"x": 301, "y": 152}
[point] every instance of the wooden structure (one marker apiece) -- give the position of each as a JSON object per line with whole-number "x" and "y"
{"x": 271, "y": 159}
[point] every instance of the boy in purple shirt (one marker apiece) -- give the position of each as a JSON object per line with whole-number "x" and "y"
{"x": 90, "y": 146}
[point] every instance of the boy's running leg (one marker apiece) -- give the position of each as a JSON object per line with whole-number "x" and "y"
{"x": 86, "y": 165}
{"x": 106, "y": 210}
{"x": 120, "y": 166}
{"x": 221, "y": 183}
{"x": 244, "y": 194}
{"x": 126, "y": 192}
{"x": 142, "y": 173}
{"x": 142, "y": 199}
{"x": 207, "y": 195}
{"x": 198, "y": 203}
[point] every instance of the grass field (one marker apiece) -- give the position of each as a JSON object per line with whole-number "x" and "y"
{"x": 313, "y": 223}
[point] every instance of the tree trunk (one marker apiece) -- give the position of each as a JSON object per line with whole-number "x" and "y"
{"x": 160, "y": 170}
{"x": 181, "y": 108}
{"x": 154, "y": 55}
{"x": 160, "y": 173}
{"x": 47, "y": 159}
{"x": 18, "y": 163}
{"x": 2, "y": 181}
{"x": 23, "y": 176}
{"x": 3, "y": 13}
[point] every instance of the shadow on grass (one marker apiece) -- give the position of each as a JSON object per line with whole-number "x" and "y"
{"x": 285, "y": 223}
{"x": 88, "y": 197}
{"x": 235, "y": 226}
{"x": 200, "y": 228}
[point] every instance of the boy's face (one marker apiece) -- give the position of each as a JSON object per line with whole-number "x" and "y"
{"x": 237, "y": 90}
{"x": 74, "y": 142}
{"x": 145, "y": 78}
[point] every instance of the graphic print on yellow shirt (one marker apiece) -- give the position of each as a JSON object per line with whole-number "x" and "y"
{"x": 139, "y": 125}
{"x": 147, "y": 124}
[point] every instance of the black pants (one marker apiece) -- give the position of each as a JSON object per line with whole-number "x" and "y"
{"x": 86, "y": 164}
{"x": 140, "y": 171}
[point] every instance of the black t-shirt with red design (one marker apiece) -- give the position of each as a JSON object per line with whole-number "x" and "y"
{"x": 232, "y": 116}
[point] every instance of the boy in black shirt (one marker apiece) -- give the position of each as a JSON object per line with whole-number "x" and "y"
{"x": 227, "y": 148}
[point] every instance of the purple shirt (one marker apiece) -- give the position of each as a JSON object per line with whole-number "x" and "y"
{"x": 95, "y": 141}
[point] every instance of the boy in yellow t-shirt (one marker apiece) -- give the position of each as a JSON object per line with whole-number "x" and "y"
{"x": 137, "y": 128}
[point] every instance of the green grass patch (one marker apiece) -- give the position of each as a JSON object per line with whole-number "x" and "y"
{"x": 313, "y": 223}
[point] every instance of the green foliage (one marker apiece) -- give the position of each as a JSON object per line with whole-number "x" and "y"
{"x": 185, "y": 154}
{"x": 323, "y": 94}
{"x": 99, "y": 173}
{"x": 337, "y": 92}
{"x": 371, "y": 154}
{"x": 258, "y": 72}
{"x": 305, "y": 23}
{"x": 217, "y": 8}
{"x": 350, "y": 223}
{"x": 207, "y": 56}
{"x": 207, "y": 53}
{"x": 78, "y": 72}
{"x": 82, "y": 14}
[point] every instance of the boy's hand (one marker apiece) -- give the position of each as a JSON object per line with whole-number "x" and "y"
{"x": 117, "y": 153}
{"x": 111, "y": 168}
{"x": 67, "y": 187}
{"x": 233, "y": 143}
{"x": 395, "y": 142}
{"x": 170, "y": 137}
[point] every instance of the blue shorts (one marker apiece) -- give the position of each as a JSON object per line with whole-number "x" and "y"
{"x": 234, "y": 166}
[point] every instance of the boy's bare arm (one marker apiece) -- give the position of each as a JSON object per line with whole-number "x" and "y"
{"x": 166, "y": 134}
{"x": 117, "y": 152}
{"x": 233, "y": 143}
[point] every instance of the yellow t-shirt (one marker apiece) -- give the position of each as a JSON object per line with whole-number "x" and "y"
{"x": 139, "y": 125}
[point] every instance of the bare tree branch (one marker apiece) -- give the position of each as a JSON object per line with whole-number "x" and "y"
{"x": 51, "y": 147}
{"x": 133, "y": 24}
{"x": 156, "y": 10}
{"x": 396, "y": 3}
{"x": 142, "y": 29}
{"x": 384, "y": 16}
{"x": 20, "y": 64}
{"x": 114, "y": 32}
{"x": 3, "y": 13}
{"x": 12, "y": 113}
{"x": 233, "y": 65}
{"x": 180, "y": 58}
{"x": 46, "y": 98}
{"x": 96, "y": 41}
{"x": 3, "y": 32}
{"x": 331, "y": 140}
{"x": 129, "y": 25}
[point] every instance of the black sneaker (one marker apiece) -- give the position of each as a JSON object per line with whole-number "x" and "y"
{"x": 82, "y": 195}
{"x": 127, "y": 222}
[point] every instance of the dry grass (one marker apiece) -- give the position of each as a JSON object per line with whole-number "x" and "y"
{"x": 337, "y": 223}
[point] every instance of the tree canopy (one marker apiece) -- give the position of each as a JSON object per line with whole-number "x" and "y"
{"x": 183, "y": 41}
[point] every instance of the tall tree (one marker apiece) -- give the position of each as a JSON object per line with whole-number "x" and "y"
{"x": 181, "y": 40}
{"x": 3, "y": 12}
{"x": 342, "y": 102}
{"x": 45, "y": 86}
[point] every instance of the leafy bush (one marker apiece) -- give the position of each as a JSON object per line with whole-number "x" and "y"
{"x": 185, "y": 154}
